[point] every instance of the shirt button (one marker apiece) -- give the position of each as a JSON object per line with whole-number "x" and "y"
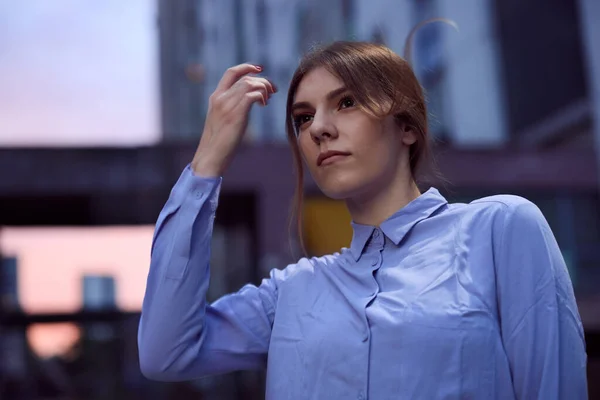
{"x": 360, "y": 396}
{"x": 375, "y": 262}
{"x": 198, "y": 194}
{"x": 376, "y": 233}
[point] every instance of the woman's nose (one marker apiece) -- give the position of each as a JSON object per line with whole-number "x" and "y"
{"x": 322, "y": 128}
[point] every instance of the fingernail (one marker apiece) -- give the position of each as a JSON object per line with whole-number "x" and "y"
{"x": 259, "y": 67}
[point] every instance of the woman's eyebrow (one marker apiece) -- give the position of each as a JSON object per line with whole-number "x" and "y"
{"x": 330, "y": 96}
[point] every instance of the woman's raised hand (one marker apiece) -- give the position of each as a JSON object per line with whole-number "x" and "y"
{"x": 227, "y": 118}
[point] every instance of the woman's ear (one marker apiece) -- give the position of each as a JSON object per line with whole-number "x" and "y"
{"x": 409, "y": 137}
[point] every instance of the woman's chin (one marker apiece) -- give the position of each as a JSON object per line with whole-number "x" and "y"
{"x": 339, "y": 190}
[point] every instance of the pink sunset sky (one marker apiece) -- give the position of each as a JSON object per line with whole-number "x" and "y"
{"x": 77, "y": 73}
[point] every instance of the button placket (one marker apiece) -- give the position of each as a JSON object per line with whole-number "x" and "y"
{"x": 378, "y": 242}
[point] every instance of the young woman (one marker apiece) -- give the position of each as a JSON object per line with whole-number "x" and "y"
{"x": 431, "y": 300}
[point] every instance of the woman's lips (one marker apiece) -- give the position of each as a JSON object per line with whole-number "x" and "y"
{"x": 331, "y": 159}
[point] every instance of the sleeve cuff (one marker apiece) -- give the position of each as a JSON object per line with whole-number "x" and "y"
{"x": 196, "y": 189}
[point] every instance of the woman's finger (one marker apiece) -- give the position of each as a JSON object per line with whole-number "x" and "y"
{"x": 255, "y": 97}
{"x": 233, "y": 74}
{"x": 252, "y": 84}
{"x": 270, "y": 85}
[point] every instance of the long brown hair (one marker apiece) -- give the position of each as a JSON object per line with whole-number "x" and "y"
{"x": 382, "y": 82}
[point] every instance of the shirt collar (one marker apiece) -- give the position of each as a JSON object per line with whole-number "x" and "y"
{"x": 400, "y": 223}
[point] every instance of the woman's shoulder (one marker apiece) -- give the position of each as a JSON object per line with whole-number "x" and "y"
{"x": 500, "y": 205}
{"x": 502, "y": 212}
{"x": 505, "y": 201}
{"x": 511, "y": 207}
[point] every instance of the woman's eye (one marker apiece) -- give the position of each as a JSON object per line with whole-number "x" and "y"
{"x": 300, "y": 120}
{"x": 347, "y": 102}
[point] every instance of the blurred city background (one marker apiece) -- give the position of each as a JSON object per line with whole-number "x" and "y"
{"x": 102, "y": 105}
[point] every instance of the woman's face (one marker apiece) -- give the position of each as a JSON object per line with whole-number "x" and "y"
{"x": 348, "y": 152}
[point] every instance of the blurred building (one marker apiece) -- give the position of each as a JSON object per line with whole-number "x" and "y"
{"x": 200, "y": 39}
{"x": 9, "y": 283}
{"x": 13, "y": 342}
{"x": 182, "y": 74}
{"x": 589, "y": 10}
{"x": 99, "y": 294}
{"x": 486, "y": 83}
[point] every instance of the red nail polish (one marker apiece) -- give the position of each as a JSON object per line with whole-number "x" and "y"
{"x": 259, "y": 67}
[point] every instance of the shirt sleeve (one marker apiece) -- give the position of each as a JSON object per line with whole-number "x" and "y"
{"x": 180, "y": 336}
{"x": 540, "y": 323}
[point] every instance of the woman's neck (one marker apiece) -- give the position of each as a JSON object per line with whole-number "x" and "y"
{"x": 376, "y": 206}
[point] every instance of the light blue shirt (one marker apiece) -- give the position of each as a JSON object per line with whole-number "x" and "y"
{"x": 441, "y": 301}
